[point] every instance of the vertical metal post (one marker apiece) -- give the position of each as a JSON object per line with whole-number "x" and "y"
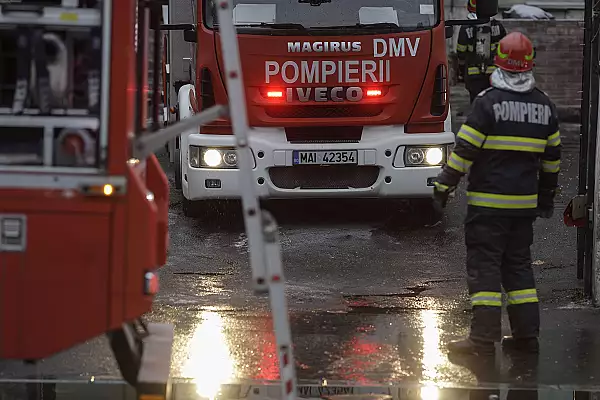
{"x": 585, "y": 126}
{"x": 588, "y": 276}
{"x": 594, "y": 248}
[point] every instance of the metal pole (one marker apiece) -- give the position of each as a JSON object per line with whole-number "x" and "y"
{"x": 145, "y": 145}
{"x": 593, "y": 254}
{"x": 588, "y": 275}
{"x": 585, "y": 125}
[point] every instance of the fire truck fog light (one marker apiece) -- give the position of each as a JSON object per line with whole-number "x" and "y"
{"x": 212, "y": 183}
{"x": 434, "y": 156}
{"x": 212, "y": 158}
{"x": 108, "y": 189}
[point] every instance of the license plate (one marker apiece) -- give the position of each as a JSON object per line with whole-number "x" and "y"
{"x": 325, "y": 157}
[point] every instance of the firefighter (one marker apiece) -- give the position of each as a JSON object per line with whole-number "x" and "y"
{"x": 510, "y": 146}
{"x": 475, "y": 49}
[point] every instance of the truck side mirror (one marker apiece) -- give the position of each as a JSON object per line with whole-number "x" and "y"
{"x": 449, "y": 31}
{"x": 190, "y": 36}
{"x": 487, "y": 8}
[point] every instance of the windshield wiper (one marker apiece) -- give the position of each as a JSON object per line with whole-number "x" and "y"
{"x": 378, "y": 25}
{"x": 283, "y": 25}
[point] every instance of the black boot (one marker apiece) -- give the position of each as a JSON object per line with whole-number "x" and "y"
{"x": 525, "y": 345}
{"x": 472, "y": 347}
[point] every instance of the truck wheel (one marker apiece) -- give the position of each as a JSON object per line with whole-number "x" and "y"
{"x": 127, "y": 351}
{"x": 177, "y": 161}
{"x": 426, "y": 212}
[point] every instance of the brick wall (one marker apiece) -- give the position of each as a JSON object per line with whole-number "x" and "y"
{"x": 559, "y": 59}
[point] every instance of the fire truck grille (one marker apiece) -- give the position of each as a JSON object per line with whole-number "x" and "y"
{"x": 324, "y": 111}
{"x": 324, "y": 177}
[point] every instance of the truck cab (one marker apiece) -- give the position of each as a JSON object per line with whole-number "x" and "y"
{"x": 344, "y": 99}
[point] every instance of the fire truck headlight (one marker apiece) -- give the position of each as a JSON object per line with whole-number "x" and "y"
{"x": 212, "y": 158}
{"x": 434, "y": 156}
{"x": 424, "y": 156}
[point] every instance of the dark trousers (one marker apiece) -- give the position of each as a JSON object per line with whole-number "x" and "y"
{"x": 499, "y": 255}
{"x": 476, "y": 84}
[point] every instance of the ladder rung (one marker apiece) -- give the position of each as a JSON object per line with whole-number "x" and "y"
{"x": 51, "y": 121}
{"x": 54, "y": 17}
{"x": 82, "y": 112}
{"x": 50, "y": 169}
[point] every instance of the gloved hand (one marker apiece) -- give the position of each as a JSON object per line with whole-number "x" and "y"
{"x": 440, "y": 199}
{"x": 545, "y": 208}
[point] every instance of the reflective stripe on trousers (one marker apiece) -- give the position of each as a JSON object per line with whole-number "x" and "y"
{"x": 490, "y": 299}
{"x": 502, "y": 200}
{"x": 499, "y": 257}
{"x": 524, "y": 296}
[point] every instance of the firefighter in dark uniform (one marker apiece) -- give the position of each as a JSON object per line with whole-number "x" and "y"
{"x": 510, "y": 146}
{"x": 475, "y": 49}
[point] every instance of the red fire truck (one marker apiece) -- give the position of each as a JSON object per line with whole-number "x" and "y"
{"x": 345, "y": 99}
{"x": 83, "y": 220}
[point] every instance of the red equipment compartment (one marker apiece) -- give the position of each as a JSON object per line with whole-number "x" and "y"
{"x": 64, "y": 270}
{"x": 141, "y": 244}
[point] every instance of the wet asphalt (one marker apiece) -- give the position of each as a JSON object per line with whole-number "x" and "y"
{"x": 374, "y": 296}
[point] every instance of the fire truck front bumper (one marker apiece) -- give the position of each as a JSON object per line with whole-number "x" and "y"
{"x": 385, "y": 163}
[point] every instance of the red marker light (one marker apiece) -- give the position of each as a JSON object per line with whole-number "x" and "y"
{"x": 373, "y": 93}
{"x": 274, "y": 94}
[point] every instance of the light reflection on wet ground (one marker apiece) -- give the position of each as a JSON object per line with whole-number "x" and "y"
{"x": 399, "y": 348}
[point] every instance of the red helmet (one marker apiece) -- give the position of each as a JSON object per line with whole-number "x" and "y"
{"x": 515, "y": 53}
{"x": 472, "y": 6}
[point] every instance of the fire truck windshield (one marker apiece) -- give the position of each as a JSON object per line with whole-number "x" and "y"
{"x": 260, "y": 16}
